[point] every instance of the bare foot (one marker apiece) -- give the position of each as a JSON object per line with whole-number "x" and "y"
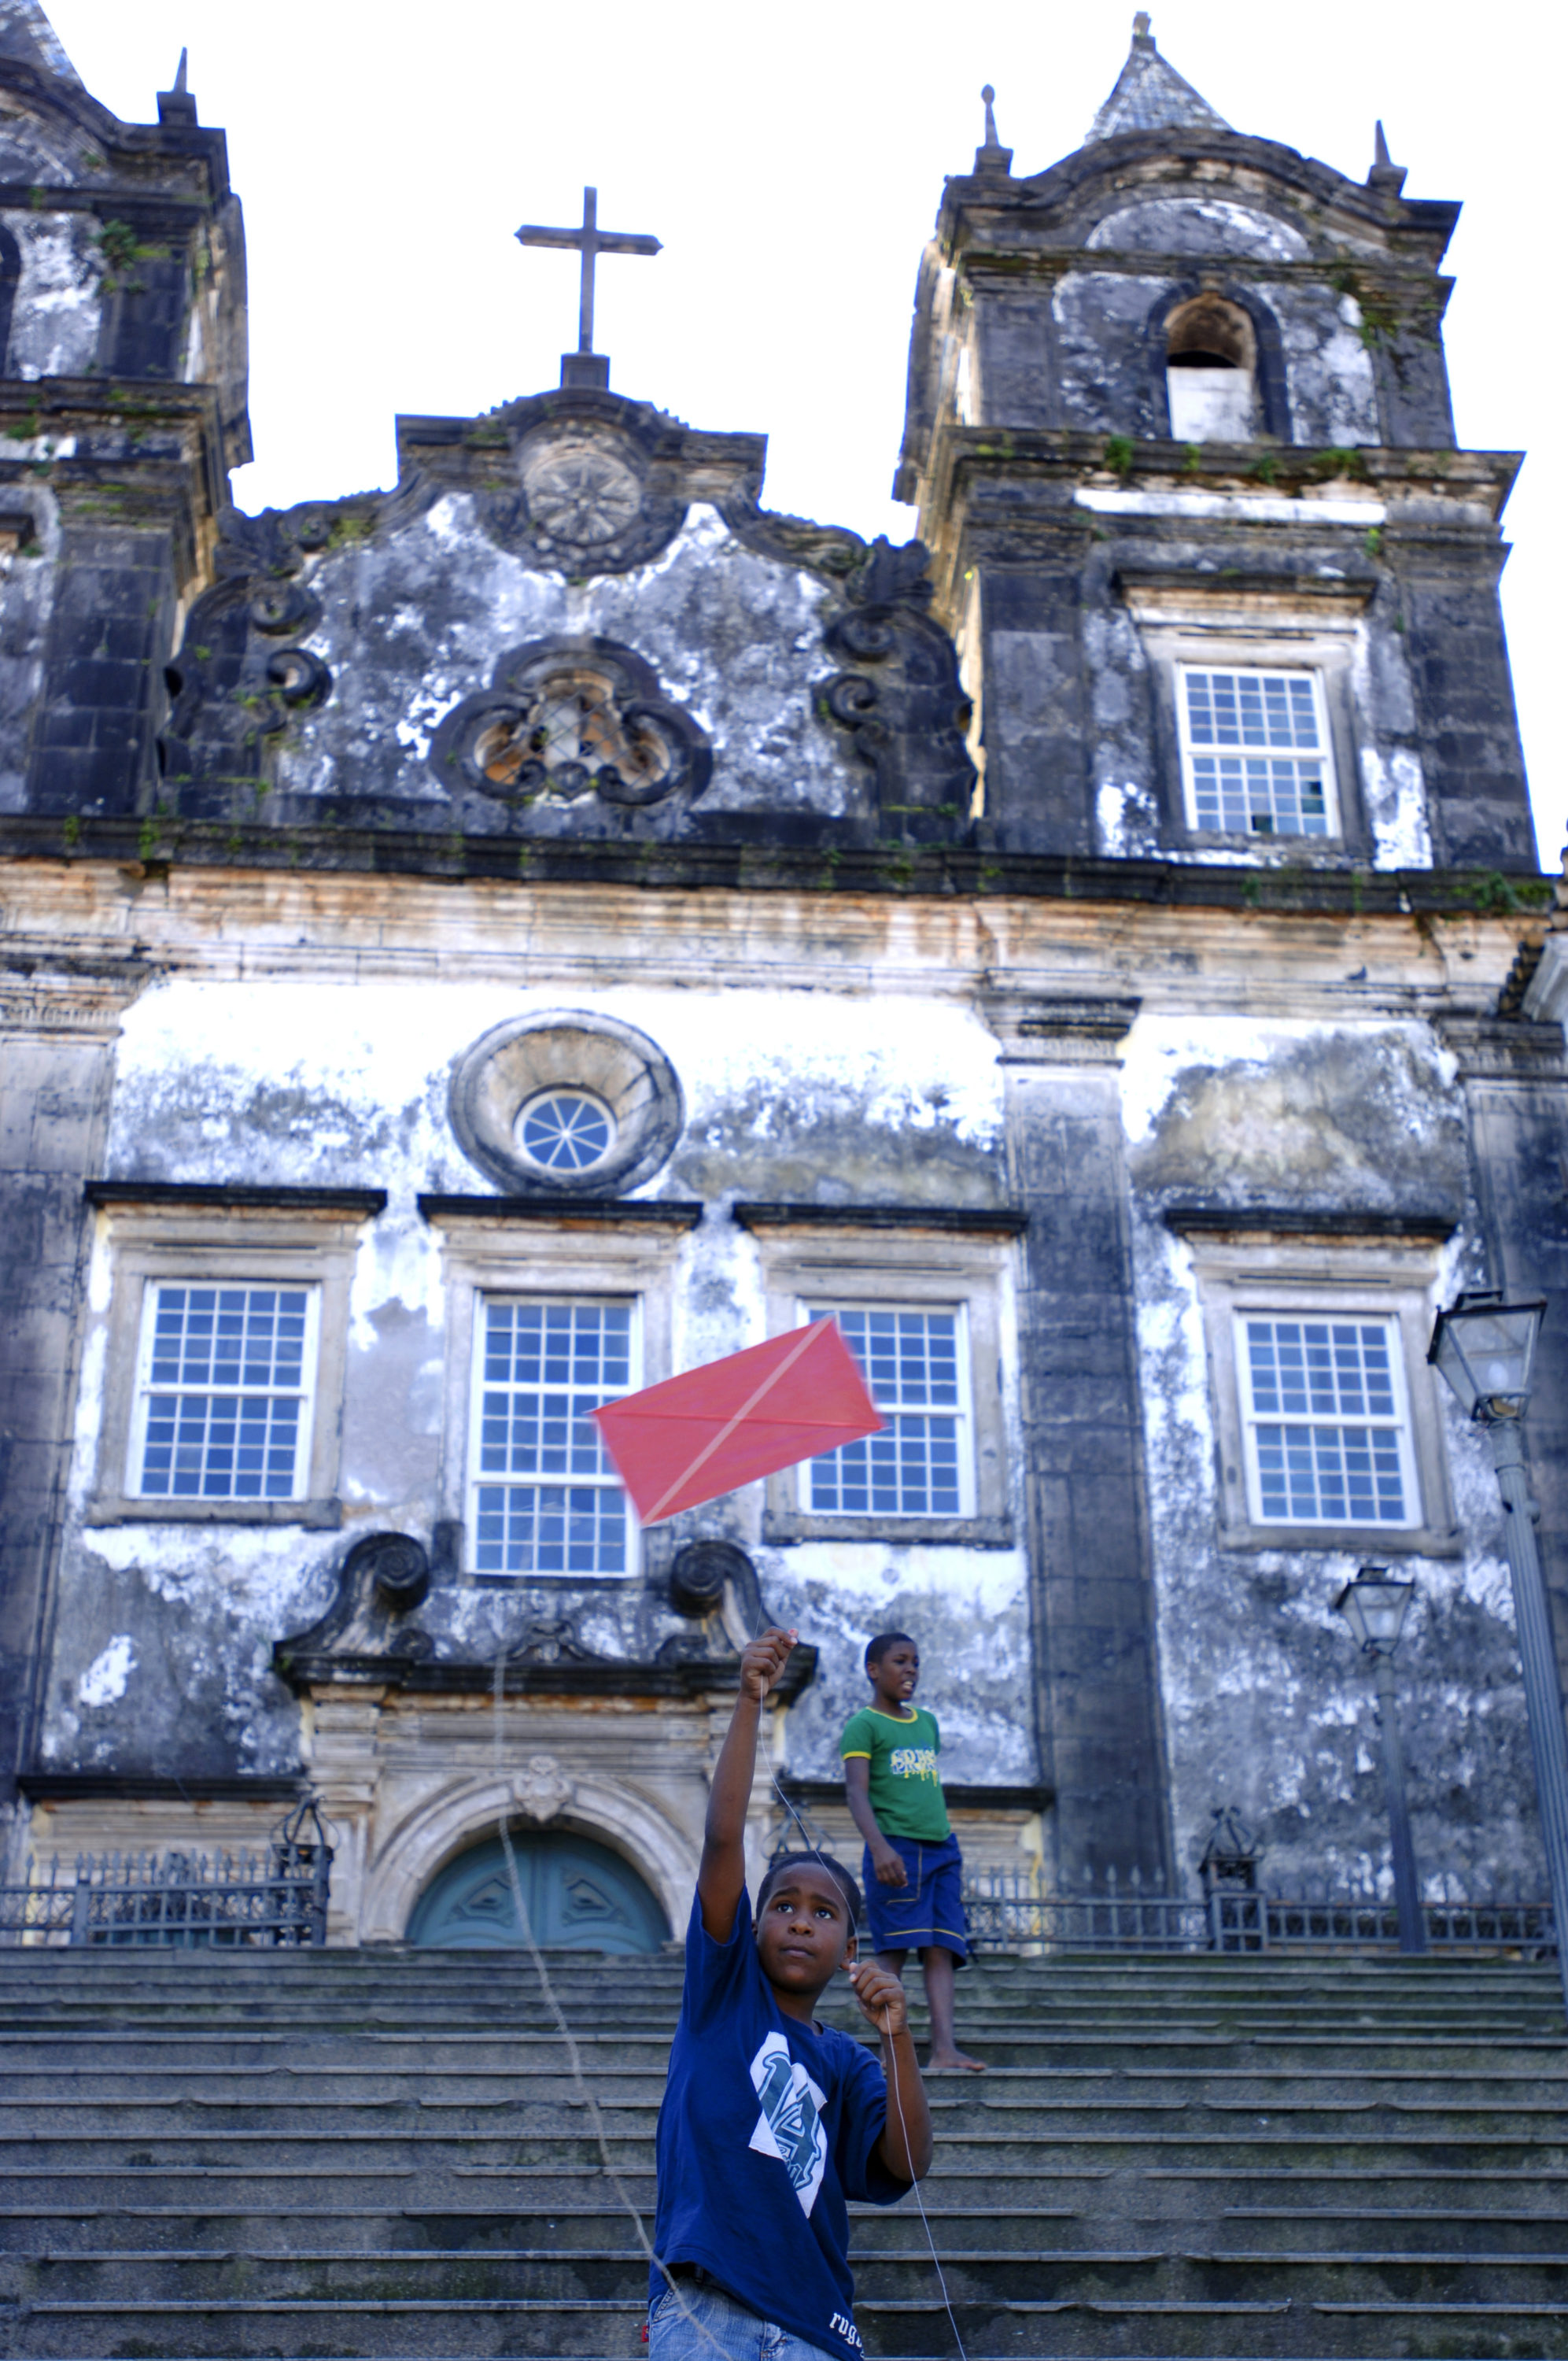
{"x": 954, "y": 2062}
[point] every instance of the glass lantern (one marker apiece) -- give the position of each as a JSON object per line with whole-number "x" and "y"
{"x": 1375, "y": 1606}
{"x": 1485, "y": 1349}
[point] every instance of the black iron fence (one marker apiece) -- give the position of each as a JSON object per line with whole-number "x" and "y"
{"x": 1008, "y": 1913}
{"x": 270, "y": 1899}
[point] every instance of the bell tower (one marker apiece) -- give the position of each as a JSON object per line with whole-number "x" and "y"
{"x": 1178, "y": 435}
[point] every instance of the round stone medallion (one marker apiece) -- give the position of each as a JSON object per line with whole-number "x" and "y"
{"x": 581, "y": 492}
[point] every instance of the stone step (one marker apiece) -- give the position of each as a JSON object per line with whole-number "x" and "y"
{"x": 963, "y": 2120}
{"x": 546, "y": 2074}
{"x": 974, "y": 2273}
{"x": 448, "y": 2226}
{"x": 223, "y": 2156}
{"x": 1070, "y": 2330}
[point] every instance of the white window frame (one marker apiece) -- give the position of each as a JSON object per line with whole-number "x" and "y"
{"x": 604, "y": 1480}
{"x": 1323, "y": 753}
{"x": 1398, "y": 1424}
{"x": 136, "y": 1472}
{"x": 1275, "y": 1274}
{"x": 962, "y": 1413}
{"x": 488, "y": 1249}
{"x": 143, "y": 1243}
{"x": 884, "y": 1270}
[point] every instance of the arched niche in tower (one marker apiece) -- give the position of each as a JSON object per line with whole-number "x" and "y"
{"x": 1218, "y": 366}
{"x": 1211, "y": 371}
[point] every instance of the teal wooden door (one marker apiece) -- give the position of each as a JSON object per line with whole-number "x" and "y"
{"x": 578, "y": 1896}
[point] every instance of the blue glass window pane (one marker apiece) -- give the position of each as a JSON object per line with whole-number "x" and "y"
{"x": 1317, "y": 1386}
{"x": 224, "y": 1418}
{"x": 910, "y": 1360}
{"x": 544, "y": 1367}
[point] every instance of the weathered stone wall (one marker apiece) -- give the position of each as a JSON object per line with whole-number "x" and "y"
{"x": 1268, "y": 1707}
{"x": 832, "y": 1096}
{"x": 846, "y": 1053}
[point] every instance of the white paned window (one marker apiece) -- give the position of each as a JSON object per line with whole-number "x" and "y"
{"x": 1255, "y": 757}
{"x": 545, "y": 1498}
{"x": 1327, "y": 1428}
{"x": 224, "y": 1393}
{"x": 921, "y": 1465}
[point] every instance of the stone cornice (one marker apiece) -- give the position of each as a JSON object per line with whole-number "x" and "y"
{"x": 55, "y": 994}
{"x": 238, "y": 1196}
{"x": 974, "y": 1221}
{"x": 148, "y": 853}
{"x": 567, "y": 1213}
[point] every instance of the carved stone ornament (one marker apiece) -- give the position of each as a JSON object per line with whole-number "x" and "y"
{"x": 903, "y": 702}
{"x": 240, "y": 673}
{"x": 619, "y": 1071}
{"x": 587, "y": 502}
{"x": 567, "y": 723}
{"x": 700, "y": 1572}
{"x": 542, "y": 1790}
{"x": 549, "y": 1640}
{"x": 383, "y": 1578}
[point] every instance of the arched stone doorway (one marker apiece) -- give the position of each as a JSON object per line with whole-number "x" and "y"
{"x": 579, "y": 1896}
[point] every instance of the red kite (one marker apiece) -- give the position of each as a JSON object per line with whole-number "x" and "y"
{"x": 687, "y": 1440}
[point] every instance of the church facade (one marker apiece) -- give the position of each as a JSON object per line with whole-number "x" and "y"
{"x": 474, "y": 949}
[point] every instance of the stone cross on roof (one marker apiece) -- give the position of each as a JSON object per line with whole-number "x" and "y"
{"x": 585, "y": 367}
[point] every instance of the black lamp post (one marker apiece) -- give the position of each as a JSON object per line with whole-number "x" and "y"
{"x": 1375, "y": 1606}
{"x": 1485, "y": 1348}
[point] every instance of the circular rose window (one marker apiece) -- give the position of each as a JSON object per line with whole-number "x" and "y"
{"x": 565, "y": 1131}
{"x": 567, "y": 1102}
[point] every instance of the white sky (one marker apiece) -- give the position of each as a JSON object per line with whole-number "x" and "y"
{"x": 792, "y": 161}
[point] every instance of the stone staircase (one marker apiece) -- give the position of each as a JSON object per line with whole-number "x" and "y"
{"x": 338, "y": 2153}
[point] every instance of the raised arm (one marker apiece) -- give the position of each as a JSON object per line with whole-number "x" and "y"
{"x": 722, "y": 1877}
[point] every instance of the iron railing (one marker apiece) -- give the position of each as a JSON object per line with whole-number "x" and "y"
{"x": 1007, "y": 1912}
{"x": 217, "y": 1901}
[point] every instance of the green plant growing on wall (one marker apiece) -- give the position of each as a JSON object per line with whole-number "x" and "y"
{"x": 1118, "y": 454}
{"x": 122, "y": 248}
{"x": 1338, "y": 461}
{"x": 1493, "y": 896}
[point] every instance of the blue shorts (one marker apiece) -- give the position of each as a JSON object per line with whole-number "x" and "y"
{"x": 927, "y": 1914}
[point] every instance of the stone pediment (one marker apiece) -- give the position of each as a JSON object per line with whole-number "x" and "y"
{"x": 572, "y": 619}
{"x": 371, "y": 1636}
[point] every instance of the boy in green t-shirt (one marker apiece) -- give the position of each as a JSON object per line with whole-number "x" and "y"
{"x": 914, "y": 1871}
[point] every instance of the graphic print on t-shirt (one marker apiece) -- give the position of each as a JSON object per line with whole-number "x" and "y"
{"x": 789, "y": 2126}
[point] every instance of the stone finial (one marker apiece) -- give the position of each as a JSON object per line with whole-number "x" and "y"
{"x": 1141, "y": 23}
{"x": 1385, "y": 174}
{"x": 991, "y": 156}
{"x": 177, "y": 105}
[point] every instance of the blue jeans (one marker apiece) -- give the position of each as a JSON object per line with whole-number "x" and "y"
{"x": 714, "y": 2327}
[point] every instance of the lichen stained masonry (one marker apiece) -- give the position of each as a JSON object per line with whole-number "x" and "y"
{"x": 831, "y": 1096}
{"x": 414, "y": 619}
{"x": 1266, "y": 1704}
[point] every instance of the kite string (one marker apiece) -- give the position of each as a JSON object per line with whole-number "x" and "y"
{"x": 573, "y": 2055}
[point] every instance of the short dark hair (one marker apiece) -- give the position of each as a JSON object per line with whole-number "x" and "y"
{"x": 877, "y": 1648}
{"x": 842, "y": 1878}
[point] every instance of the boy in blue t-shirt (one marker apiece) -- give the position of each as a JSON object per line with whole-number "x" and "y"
{"x": 770, "y": 2121}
